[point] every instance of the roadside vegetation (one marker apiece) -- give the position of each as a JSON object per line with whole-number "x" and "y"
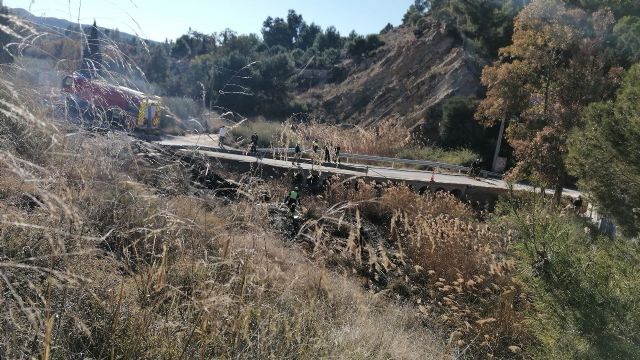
{"x": 433, "y": 153}
{"x": 585, "y": 296}
{"x": 350, "y": 139}
{"x": 116, "y": 252}
{"x": 269, "y": 133}
{"x": 528, "y": 280}
{"x": 116, "y": 248}
{"x": 109, "y": 251}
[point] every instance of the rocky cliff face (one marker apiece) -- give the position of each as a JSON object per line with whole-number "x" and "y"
{"x": 405, "y": 81}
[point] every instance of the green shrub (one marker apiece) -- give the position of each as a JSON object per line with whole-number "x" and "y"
{"x": 458, "y": 128}
{"x": 361, "y": 47}
{"x": 432, "y": 153}
{"x": 584, "y": 286}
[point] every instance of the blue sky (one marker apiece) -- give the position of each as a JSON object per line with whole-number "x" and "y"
{"x": 160, "y": 19}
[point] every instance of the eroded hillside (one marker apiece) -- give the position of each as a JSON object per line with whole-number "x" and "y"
{"x": 406, "y": 80}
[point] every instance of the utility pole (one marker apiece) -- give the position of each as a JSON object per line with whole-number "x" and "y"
{"x": 498, "y": 143}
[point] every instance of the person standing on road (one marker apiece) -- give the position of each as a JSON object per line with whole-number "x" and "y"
{"x": 316, "y": 147}
{"x": 254, "y": 142}
{"x": 475, "y": 168}
{"x": 327, "y": 154}
{"x": 297, "y": 154}
{"x": 222, "y": 133}
{"x": 337, "y": 156}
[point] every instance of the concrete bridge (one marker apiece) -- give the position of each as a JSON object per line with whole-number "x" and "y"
{"x": 482, "y": 190}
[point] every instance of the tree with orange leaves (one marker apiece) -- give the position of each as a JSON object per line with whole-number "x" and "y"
{"x": 556, "y": 65}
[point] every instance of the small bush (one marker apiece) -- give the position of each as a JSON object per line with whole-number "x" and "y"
{"x": 432, "y": 153}
{"x": 269, "y": 133}
{"x": 362, "y": 47}
{"x": 458, "y": 128}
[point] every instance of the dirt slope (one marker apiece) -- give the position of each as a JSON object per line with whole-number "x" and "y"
{"x": 406, "y": 80}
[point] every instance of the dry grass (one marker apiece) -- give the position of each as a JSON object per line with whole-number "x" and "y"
{"x": 355, "y": 139}
{"x": 110, "y": 251}
{"x": 432, "y": 251}
{"x": 456, "y": 156}
{"x": 107, "y": 253}
{"x": 469, "y": 280}
{"x": 386, "y": 139}
{"x": 270, "y": 134}
{"x": 381, "y": 141}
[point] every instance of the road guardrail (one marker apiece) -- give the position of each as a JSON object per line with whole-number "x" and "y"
{"x": 432, "y": 164}
{"x": 347, "y": 156}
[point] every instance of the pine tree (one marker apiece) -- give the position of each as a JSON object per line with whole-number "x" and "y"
{"x": 158, "y": 67}
{"x": 605, "y": 155}
{"x": 627, "y": 33}
{"x": 92, "y": 64}
{"x": 276, "y": 32}
{"x": 308, "y": 34}
{"x": 415, "y": 12}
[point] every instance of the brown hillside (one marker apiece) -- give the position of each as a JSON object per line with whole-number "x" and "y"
{"x": 405, "y": 80}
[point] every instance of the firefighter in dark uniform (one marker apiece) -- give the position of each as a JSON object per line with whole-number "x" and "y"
{"x": 254, "y": 142}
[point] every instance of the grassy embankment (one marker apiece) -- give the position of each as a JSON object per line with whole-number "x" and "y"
{"x": 109, "y": 253}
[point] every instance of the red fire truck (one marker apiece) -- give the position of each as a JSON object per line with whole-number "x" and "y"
{"x": 116, "y": 105}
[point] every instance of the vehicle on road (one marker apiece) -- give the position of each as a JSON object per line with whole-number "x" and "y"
{"x": 107, "y": 105}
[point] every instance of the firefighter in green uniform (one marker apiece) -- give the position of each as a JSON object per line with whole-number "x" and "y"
{"x": 293, "y": 199}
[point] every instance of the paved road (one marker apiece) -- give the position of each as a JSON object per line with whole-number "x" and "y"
{"x": 358, "y": 170}
{"x": 403, "y": 174}
{"x": 191, "y": 140}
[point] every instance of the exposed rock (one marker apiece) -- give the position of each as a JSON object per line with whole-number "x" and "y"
{"x": 406, "y": 80}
